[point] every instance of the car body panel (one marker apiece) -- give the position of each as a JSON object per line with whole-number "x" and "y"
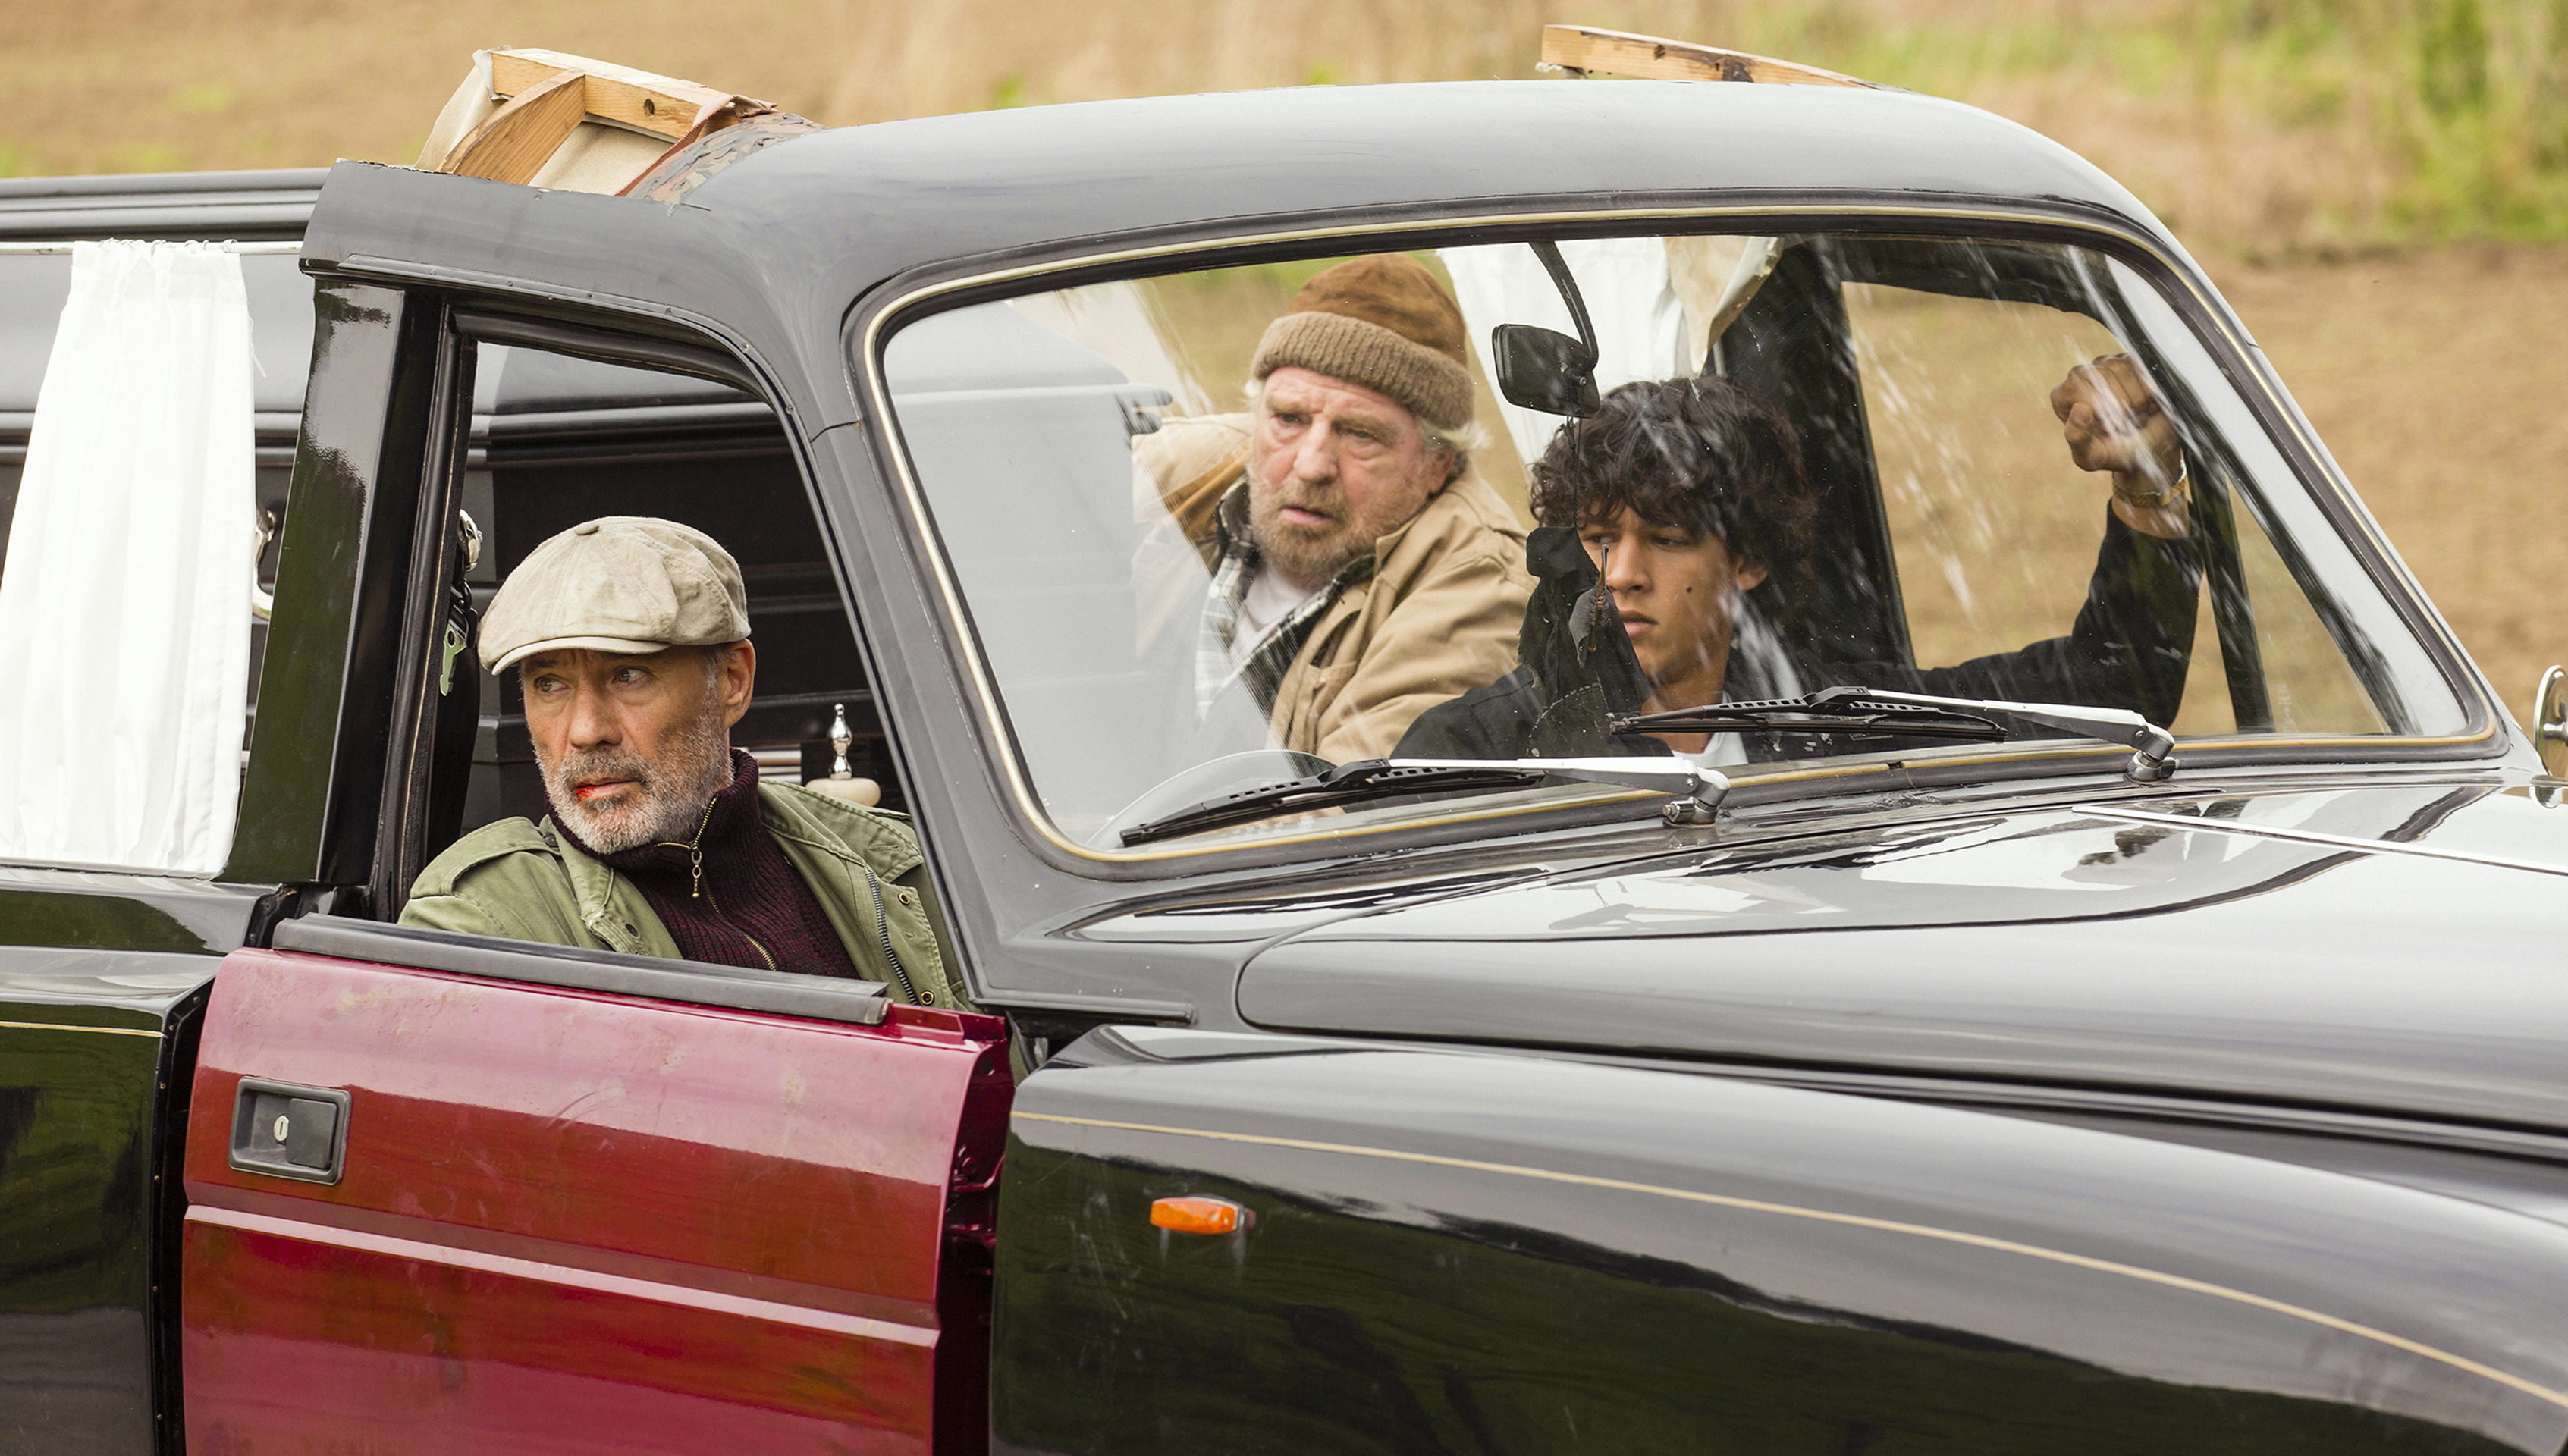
{"x": 576, "y": 1221}
{"x": 925, "y": 194}
{"x": 91, "y": 1042}
{"x": 102, "y": 972}
{"x": 2170, "y": 947}
{"x": 1457, "y": 1252}
{"x": 265, "y": 205}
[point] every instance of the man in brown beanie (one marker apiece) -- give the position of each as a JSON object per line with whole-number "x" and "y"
{"x": 1362, "y": 573}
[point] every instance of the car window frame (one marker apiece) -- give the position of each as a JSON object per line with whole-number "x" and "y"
{"x": 464, "y": 320}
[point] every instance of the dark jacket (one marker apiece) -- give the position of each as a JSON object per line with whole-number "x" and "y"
{"x": 2128, "y": 649}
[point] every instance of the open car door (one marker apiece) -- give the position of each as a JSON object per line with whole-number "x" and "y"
{"x": 456, "y": 1194}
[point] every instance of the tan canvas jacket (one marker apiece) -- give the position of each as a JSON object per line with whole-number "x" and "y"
{"x": 1437, "y": 617}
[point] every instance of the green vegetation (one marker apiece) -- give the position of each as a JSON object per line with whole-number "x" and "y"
{"x": 2409, "y": 120}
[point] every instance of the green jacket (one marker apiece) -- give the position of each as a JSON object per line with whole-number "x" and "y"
{"x": 525, "y": 882}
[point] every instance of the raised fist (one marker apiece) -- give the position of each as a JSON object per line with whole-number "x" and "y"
{"x": 2114, "y": 422}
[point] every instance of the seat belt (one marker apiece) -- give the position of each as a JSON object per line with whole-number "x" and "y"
{"x": 459, "y": 690}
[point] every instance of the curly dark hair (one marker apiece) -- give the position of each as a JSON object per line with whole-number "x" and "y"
{"x": 1708, "y": 455}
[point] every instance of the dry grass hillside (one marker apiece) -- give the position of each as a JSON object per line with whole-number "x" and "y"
{"x": 2265, "y": 126}
{"x": 2437, "y": 378}
{"x": 2379, "y": 185}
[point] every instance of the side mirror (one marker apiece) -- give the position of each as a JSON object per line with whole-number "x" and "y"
{"x": 2550, "y": 722}
{"x": 1543, "y": 369}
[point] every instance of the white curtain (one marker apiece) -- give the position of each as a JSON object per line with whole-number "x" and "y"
{"x": 124, "y": 597}
{"x": 1631, "y": 299}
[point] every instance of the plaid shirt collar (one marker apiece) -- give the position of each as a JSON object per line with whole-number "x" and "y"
{"x": 1263, "y": 668}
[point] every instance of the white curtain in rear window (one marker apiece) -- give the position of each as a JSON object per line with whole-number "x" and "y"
{"x": 124, "y": 601}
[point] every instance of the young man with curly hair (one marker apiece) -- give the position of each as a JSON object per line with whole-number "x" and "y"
{"x": 1677, "y": 525}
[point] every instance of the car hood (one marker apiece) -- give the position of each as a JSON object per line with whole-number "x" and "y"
{"x": 2394, "y": 950}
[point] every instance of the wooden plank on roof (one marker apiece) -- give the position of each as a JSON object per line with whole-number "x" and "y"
{"x": 519, "y": 137}
{"x": 620, "y": 94}
{"x": 1584, "y": 49}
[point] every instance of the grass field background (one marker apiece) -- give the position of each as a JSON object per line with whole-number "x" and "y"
{"x": 2380, "y": 185}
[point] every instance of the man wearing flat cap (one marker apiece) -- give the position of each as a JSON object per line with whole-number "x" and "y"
{"x": 630, "y": 637}
{"x": 1362, "y": 572}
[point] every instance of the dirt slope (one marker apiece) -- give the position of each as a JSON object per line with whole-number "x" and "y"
{"x": 2437, "y": 379}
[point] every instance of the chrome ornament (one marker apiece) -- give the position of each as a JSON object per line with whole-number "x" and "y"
{"x": 2550, "y": 722}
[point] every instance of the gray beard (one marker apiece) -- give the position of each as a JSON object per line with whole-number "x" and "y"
{"x": 673, "y": 791}
{"x": 1302, "y": 558}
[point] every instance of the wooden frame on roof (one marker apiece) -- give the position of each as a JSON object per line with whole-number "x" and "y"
{"x": 1582, "y": 50}
{"x": 550, "y": 94}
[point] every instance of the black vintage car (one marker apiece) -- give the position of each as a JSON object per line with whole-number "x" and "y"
{"x": 1825, "y": 1089}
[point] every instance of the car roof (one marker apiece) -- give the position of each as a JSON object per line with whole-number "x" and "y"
{"x": 790, "y": 234}
{"x": 988, "y": 182}
{"x": 777, "y": 245}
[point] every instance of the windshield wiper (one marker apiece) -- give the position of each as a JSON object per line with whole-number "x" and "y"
{"x": 1857, "y": 711}
{"x": 1698, "y": 789}
{"x": 1918, "y": 716}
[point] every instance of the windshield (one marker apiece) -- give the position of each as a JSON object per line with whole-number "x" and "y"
{"x": 1224, "y": 527}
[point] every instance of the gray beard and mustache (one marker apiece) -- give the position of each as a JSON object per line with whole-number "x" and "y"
{"x": 674, "y": 791}
{"x": 1301, "y": 553}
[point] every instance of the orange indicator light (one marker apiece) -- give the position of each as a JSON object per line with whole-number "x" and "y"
{"x": 1198, "y": 1215}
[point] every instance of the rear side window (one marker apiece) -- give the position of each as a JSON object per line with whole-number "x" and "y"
{"x": 112, "y": 802}
{"x": 32, "y": 290}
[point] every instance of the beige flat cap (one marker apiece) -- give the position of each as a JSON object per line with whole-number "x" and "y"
{"x": 620, "y": 583}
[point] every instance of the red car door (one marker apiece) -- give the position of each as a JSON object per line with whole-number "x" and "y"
{"x": 446, "y": 1195}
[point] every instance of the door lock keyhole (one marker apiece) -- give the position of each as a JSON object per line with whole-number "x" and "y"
{"x": 289, "y": 1131}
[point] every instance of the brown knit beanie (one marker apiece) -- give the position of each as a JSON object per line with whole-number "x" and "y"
{"x": 1381, "y": 322}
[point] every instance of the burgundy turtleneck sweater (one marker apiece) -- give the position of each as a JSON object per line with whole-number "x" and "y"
{"x": 752, "y": 907}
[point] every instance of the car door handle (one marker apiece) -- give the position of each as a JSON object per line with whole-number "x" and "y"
{"x": 289, "y": 1131}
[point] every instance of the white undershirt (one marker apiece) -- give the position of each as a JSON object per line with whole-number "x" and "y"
{"x": 1269, "y": 600}
{"x": 1725, "y": 751}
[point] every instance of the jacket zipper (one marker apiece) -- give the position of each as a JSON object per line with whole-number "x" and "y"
{"x": 696, "y": 867}
{"x": 882, "y": 927}
{"x": 695, "y": 849}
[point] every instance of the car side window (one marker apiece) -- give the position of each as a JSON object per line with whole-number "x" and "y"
{"x": 681, "y": 755}
{"x": 1994, "y": 527}
{"x": 135, "y": 819}
{"x": 559, "y": 441}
